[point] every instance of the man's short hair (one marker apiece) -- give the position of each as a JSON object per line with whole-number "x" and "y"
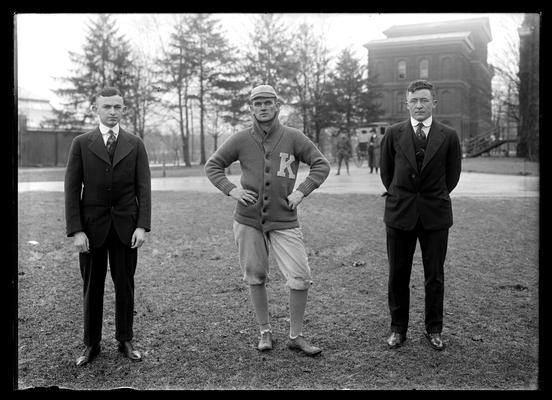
{"x": 109, "y": 91}
{"x": 419, "y": 85}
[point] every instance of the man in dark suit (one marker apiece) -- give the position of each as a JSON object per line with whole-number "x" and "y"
{"x": 108, "y": 212}
{"x": 420, "y": 166}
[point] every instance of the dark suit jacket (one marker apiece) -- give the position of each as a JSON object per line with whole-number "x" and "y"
{"x": 413, "y": 194}
{"x": 98, "y": 193}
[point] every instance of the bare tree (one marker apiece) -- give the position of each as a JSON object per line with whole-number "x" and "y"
{"x": 177, "y": 65}
{"x": 506, "y": 75}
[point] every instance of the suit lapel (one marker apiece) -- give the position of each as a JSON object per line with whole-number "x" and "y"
{"x": 123, "y": 147}
{"x": 97, "y": 146}
{"x": 435, "y": 139}
{"x": 405, "y": 143}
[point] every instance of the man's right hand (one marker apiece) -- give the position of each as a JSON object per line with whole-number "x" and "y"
{"x": 81, "y": 242}
{"x": 244, "y": 196}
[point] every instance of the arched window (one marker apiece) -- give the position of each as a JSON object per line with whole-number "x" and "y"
{"x": 424, "y": 69}
{"x": 401, "y": 66}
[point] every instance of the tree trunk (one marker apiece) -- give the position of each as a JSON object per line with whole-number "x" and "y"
{"x": 202, "y": 158}
{"x": 183, "y": 130}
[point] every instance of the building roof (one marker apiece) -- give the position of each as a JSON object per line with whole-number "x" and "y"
{"x": 26, "y": 94}
{"x": 477, "y": 25}
{"x": 434, "y": 38}
{"x": 36, "y": 109}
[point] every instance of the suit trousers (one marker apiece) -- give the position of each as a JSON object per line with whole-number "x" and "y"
{"x": 401, "y": 246}
{"x": 93, "y": 267}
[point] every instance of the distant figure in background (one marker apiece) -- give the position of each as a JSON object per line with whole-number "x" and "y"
{"x": 377, "y": 150}
{"x": 344, "y": 151}
{"x": 265, "y": 217}
{"x": 363, "y": 141}
{"x": 108, "y": 212}
{"x": 420, "y": 166}
{"x": 373, "y": 151}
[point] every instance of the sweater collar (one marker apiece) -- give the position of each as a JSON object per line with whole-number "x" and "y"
{"x": 274, "y": 127}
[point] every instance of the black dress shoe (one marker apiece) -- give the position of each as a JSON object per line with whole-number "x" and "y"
{"x": 395, "y": 340}
{"x": 129, "y": 352}
{"x": 88, "y": 354}
{"x": 435, "y": 340}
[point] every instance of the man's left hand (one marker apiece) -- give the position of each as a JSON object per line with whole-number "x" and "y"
{"x": 294, "y": 199}
{"x": 138, "y": 238}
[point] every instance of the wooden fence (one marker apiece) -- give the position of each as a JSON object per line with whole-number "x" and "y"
{"x": 44, "y": 147}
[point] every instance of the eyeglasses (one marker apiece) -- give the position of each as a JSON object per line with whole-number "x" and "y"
{"x": 260, "y": 104}
{"x": 413, "y": 102}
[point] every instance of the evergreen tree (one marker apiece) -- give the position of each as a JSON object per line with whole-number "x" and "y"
{"x": 369, "y": 107}
{"x": 269, "y": 59}
{"x": 106, "y": 61}
{"x": 347, "y": 92}
{"x": 230, "y": 95}
{"x": 210, "y": 51}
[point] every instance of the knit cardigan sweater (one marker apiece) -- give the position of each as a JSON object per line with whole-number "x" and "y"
{"x": 269, "y": 164}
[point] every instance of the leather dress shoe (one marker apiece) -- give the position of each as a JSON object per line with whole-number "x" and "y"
{"x": 265, "y": 343}
{"x": 88, "y": 354}
{"x": 128, "y": 350}
{"x": 435, "y": 340}
{"x": 300, "y": 343}
{"x": 395, "y": 340}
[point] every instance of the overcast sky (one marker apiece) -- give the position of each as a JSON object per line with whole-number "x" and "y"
{"x": 44, "y": 40}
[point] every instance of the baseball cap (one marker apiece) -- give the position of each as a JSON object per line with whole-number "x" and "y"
{"x": 262, "y": 91}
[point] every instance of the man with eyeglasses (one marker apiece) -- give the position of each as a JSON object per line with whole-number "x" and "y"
{"x": 420, "y": 166}
{"x": 265, "y": 216}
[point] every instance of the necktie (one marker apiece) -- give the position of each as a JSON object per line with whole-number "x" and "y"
{"x": 420, "y": 133}
{"x": 110, "y": 141}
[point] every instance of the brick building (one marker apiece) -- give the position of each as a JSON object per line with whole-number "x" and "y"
{"x": 450, "y": 54}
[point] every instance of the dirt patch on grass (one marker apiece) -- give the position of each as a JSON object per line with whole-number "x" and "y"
{"x": 196, "y": 329}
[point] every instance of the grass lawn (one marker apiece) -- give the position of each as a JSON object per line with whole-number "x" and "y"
{"x": 491, "y": 165}
{"x": 195, "y": 325}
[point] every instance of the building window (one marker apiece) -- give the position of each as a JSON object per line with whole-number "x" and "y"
{"x": 446, "y": 67}
{"x": 401, "y": 103}
{"x": 379, "y": 72}
{"x": 402, "y": 69}
{"x": 424, "y": 69}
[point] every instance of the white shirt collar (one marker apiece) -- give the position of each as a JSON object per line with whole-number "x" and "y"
{"x": 427, "y": 122}
{"x": 104, "y": 129}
